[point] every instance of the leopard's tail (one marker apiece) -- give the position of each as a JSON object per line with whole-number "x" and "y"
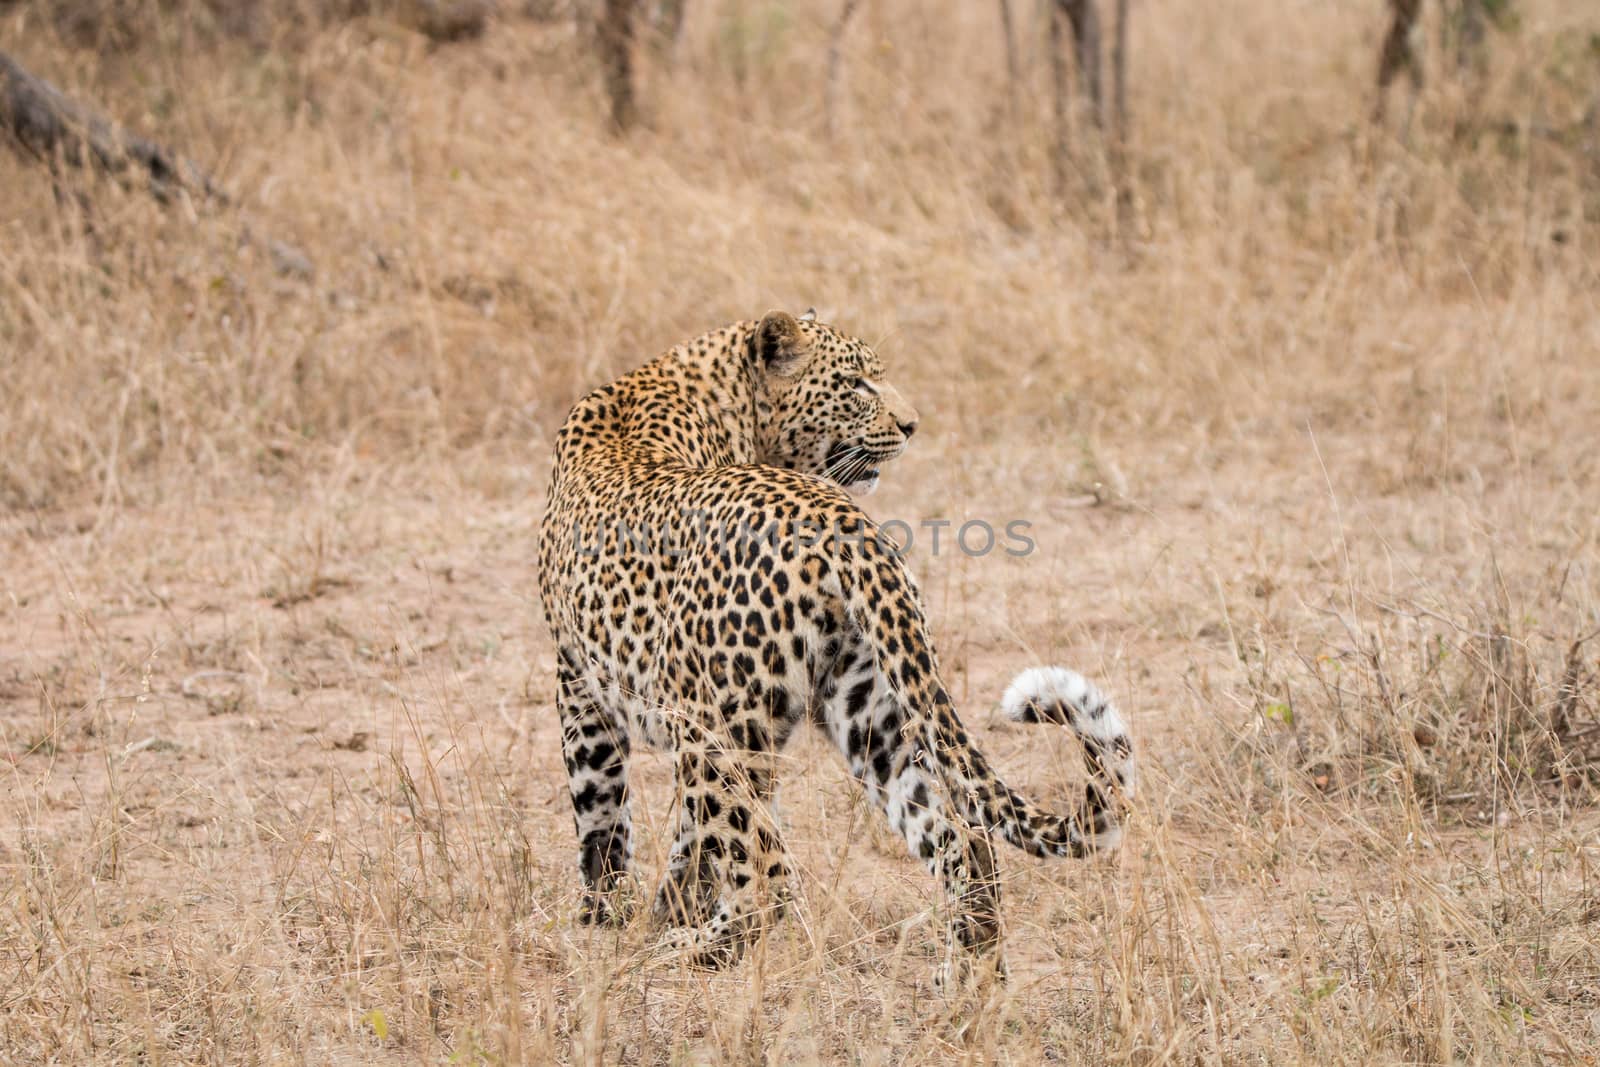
{"x": 902, "y": 649}
{"x": 1049, "y": 695}
{"x": 1066, "y": 698}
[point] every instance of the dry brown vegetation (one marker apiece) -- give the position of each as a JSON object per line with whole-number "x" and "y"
{"x": 1305, "y": 426}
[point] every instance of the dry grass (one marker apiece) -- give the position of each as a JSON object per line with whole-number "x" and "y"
{"x": 1306, "y": 437}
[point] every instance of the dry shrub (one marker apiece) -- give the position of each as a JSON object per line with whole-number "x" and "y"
{"x": 1478, "y": 717}
{"x": 477, "y": 261}
{"x": 1466, "y": 713}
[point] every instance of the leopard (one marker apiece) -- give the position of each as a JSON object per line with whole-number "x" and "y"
{"x": 712, "y": 585}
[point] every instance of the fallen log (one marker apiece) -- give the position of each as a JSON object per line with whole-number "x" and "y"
{"x": 50, "y": 125}
{"x": 44, "y": 123}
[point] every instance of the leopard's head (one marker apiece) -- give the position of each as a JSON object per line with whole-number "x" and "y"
{"x": 823, "y": 405}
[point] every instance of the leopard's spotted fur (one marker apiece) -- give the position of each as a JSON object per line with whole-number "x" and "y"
{"x": 710, "y": 586}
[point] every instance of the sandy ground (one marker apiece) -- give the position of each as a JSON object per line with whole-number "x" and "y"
{"x": 293, "y": 759}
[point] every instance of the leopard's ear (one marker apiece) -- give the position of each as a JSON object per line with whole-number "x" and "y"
{"x": 808, "y": 315}
{"x": 779, "y": 346}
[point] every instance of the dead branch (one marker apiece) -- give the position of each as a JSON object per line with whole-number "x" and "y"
{"x": 1575, "y": 680}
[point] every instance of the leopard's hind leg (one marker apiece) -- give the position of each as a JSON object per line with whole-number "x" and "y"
{"x": 728, "y": 877}
{"x": 689, "y": 889}
{"x": 595, "y": 746}
{"x": 882, "y": 742}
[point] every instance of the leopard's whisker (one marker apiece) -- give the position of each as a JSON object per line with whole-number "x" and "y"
{"x": 842, "y": 462}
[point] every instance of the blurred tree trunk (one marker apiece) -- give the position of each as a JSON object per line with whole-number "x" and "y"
{"x": 669, "y": 21}
{"x": 1470, "y": 22}
{"x": 1119, "y": 118}
{"x": 1466, "y": 28}
{"x": 1058, "y": 96}
{"x": 1119, "y": 71}
{"x": 1013, "y": 64}
{"x": 830, "y": 85}
{"x": 614, "y": 39}
{"x": 1084, "y": 18}
{"x": 1591, "y": 135}
{"x": 1471, "y": 28}
{"x": 1399, "y": 54}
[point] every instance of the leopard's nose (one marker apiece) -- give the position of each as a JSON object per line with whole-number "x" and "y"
{"x": 908, "y": 428}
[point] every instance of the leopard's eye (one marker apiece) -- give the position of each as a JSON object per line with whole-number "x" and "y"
{"x": 864, "y": 387}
